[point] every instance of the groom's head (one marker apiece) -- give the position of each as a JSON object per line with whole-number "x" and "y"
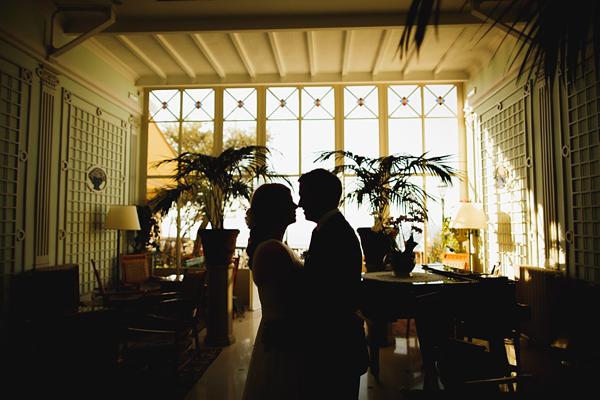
{"x": 320, "y": 192}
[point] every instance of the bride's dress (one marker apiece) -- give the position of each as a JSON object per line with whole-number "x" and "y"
{"x": 279, "y": 372}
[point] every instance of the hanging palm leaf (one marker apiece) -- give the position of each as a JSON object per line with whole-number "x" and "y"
{"x": 555, "y": 37}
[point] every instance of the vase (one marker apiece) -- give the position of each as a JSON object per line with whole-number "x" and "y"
{"x": 401, "y": 263}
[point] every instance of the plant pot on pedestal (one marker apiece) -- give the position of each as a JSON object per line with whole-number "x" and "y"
{"x": 219, "y": 248}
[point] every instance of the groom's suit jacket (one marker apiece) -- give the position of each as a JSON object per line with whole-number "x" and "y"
{"x": 332, "y": 280}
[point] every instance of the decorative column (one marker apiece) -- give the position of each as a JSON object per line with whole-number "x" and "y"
{"x": 49, "y": 82}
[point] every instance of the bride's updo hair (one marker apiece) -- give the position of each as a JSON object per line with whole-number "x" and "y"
{"x": 269, "y": 209}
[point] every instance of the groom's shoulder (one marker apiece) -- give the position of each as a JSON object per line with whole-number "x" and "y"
{"x": 338, "y": 223}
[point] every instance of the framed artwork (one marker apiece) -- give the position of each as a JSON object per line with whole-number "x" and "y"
{"x": 96, "y": 178}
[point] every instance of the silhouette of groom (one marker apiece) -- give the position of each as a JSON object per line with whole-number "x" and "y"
{"x": 337, "y": 348}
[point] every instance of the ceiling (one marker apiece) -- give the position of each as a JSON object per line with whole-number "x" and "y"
{"x": 159, "y": 43}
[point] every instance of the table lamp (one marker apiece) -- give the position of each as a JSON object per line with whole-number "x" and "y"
{"x": 122, "y": 218}
{"x": 469, "y": 216}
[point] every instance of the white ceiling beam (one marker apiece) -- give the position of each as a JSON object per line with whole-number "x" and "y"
{"x": 452, "y": 49}
{"x": 382, "y": 51}
{"x": 110, "y": 58}
{"x": 346, "y": 54}
{"x": 237, "y": 42}
{"x": 210, "y": 57}
{"x": 175, "y": 55}
{"x": 310, "y": 40}
{"x": 193, "y": 23}
{"x": 413, "y": 55}
{"x": 109, "y": 13}
{"x": 142, "y": 56}
{"x": 503, "y": 26}
{"x": 276, "y": 54}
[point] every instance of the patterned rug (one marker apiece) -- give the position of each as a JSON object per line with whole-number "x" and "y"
{"x": 152, "y": 382}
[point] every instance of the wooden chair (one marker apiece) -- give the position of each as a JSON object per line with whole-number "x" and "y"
{"x": 458, "y": 261}
{"x": 134, "y": 268}
{"x": 187, "y": 305}
{"x": 164, "y": 339}
{"x": 465, "y": 340}
{"x": 114, "y": 296}
{"x": 166, "y": 347}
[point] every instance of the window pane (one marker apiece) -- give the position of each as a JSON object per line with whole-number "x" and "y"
{"x": 282, "y": 139}
{"x": 361, "y": 137}
{"x": 445, "y": 205}
{"x": 358, "y": 217}
{"x": 441, "y": 138}
{"x": 318, "y": 102}
{"x": 239, "y": 104}
{"x": 361, "y": 102}
{"x": 198, "y": 105}
{"x": 404, "y": 101}
{"x": 235, "y": 218}
{"x": 297, "y": 235}
{"x": 239, "y": 134}
{"x": 440, "y": 100}
{"x": 405, "y": 136}
{"x": 197, "y": 137}
{"x": 317, "y": 136}
{"x": 164, "y": 105}
{"x": 282, "y": 103}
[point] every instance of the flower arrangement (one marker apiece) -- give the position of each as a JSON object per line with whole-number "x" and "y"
{"x": 393, "y": 226}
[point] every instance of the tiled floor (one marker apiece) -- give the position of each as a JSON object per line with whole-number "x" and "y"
{"x": 400, "y": 368}
{"x": 225, "y": 378}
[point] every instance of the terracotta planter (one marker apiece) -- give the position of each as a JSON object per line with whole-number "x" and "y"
{"x": 218, "y": 245}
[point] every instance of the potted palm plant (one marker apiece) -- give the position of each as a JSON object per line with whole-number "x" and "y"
{"x": 212, "y": 183}
{"x": 387, "y": 181}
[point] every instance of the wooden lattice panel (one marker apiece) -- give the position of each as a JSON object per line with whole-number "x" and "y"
{"x": 583, "y": 150}
{"x": 15, "y": 103}
{"x": 95, "y": 179}
{"x": 504, "y": 181}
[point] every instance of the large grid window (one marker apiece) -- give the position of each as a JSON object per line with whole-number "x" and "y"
{"x": 423, "y": 118}
{"x": 180, "y": 121}
{"x": 300, "y": 122}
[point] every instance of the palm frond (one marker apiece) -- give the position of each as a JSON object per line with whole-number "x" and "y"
{"x": 386, "y": 180}
{"x": 214, "y": 182}
{"x": 554, "y": 39}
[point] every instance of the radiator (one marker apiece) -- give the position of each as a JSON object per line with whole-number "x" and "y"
{"x": 541, "y": 289}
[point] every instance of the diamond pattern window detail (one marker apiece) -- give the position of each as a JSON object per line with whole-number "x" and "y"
{"x": 164, "y": 105}
{"x": 440, "y": 100}
{"x": 361, "y": 102}
{"x": 282, "y": 103}
{"x": 239, "y": 104}
{"x": 404, "y": 101}
{"x": 318, "y": 102}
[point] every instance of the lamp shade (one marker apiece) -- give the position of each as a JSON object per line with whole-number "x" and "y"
{"x": 123, "y": 218}
{"x": 469, "y": 216}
